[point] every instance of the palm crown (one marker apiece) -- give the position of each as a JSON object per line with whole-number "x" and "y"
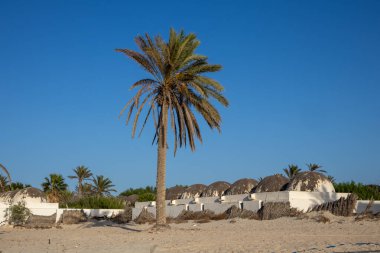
{"x": 176, "y": 85}
{"x": 102, "y": 185}
{"x": 3, "y": 183}
{"x": 291, "y": 171}
{"x": 53, "y": 186}
{"x": 315, "y": 167}
{"x": 82, "y": 173}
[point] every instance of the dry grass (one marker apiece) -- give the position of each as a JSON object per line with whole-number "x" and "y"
{"x": 73, "y": 216}
{"x": 275, "y": 210}
{"x": 145, "y": 217}
{"x": 124, "y": 217}
{"x": 341, "y": 207}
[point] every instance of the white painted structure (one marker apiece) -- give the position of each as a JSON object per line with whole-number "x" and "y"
{"x": 216, "y": 204}
{"x": 361, "y": 205}
{"x": 303, "y": 201}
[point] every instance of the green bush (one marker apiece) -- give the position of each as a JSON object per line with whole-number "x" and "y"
{"x": 363, "y": 191}
{"x": 139, "y": 191}
{"x": 94, "y": 202}
{"x": 18, "y": 214}
{"x": 147, "y": 197}
{"x": 145, "y": 194}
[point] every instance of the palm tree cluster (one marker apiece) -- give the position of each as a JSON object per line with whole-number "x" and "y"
{"x": 6, "y": 183}
{"x": 292, "y": 169}
{"x": 87, "y": 185}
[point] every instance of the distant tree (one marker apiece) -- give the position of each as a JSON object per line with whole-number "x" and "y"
{"x": 4, "y": 183}
{"x": 102, "y": 185}
{"x": 315, "y": 167}
{"x": 87, "y": 189}
{"x": 54, "y": 185}
{"x": 2, "y": 167}
{"x": 18, "y": 186}
{"x": 292, "y": 170}
{"x": 82, "y": 174}
{"x": 65, "y": 198}
{"x": 11, "y": 186}
{"x": 139, "y": 191}
{"x": 331, "y": 178}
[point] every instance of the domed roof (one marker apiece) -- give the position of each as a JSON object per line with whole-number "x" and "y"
{"x": 174, "y": 192}
{"x": 272, "y": 183}
{"x": 215, "y": 189}
{"x": 193, "y": 191}
{"x": 310, "y": 181}
{"x": 29, "y": 195}
{"x": 241, "y": 186}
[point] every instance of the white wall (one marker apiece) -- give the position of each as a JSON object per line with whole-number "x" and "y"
{"x": 361, "y": 205}
{"x": 303, "y": 201}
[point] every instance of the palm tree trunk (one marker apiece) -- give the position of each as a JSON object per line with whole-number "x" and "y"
{"x": 79, "y": 189}
{"x": 161, "y": 168}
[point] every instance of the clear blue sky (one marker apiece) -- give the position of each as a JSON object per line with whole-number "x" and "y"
{"x": 302, "y": 77}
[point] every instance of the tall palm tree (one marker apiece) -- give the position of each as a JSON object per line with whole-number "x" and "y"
{"x": 102, "y": 185}
{"x": 2, "y": 185}
{"x": 292, "y": 170}
{"x": 176, "y": 87}
{"x": 53, "y": 186}
{"x": 82, "y": 173}
{"x": 315, "y": 167}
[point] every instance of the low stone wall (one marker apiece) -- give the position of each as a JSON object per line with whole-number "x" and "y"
{"x": 214, "y": 204}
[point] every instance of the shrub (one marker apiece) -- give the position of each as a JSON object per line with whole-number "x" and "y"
{"x": 94, "y": 202}
{"x": 145, "y": 194}
{"x": 18, "y": 214}
{"x": 363, "y": 191}
{"x": 139, "y": 191}
{"x": 147, "y": 197}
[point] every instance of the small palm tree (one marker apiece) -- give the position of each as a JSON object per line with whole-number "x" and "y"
{"x": 292, "y": 170}
{"x": 4, "y": 184}
{"x": 331, "y": 178}
{"x": 53, "y": 186}
{"x": 102, "y": 185}
{"x": 315, "y": 167}
{"x": 9, "y": 180}
{"x": 82, "y": 173}
{"x": 176, "y": 88}
{"x": 18, "y": 186}
{"x": 87, "y": 189}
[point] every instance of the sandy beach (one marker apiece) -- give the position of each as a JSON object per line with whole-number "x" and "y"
{"x": 237, "y": 235}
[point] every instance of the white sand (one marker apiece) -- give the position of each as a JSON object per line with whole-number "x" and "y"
{"x": 281, "y": 235}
